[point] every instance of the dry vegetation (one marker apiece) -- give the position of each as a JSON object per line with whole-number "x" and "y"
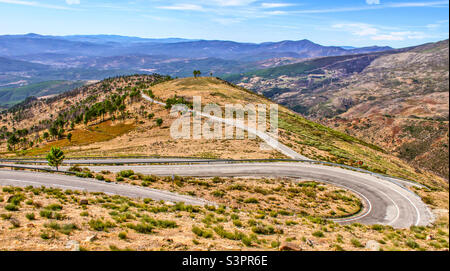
{"x": 51, "y": 219}
{"x": 398, "y": 102}
{"x": 135, "y": 130}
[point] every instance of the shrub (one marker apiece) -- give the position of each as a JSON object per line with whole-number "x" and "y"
{"x": 126, "y": 173}
{"x": 99, "y": 177}
{"x": 54, "y": 207}
{"x": 410, "y": 243}
{"x": 30, "y": 216}
{"x": 237, "y": 223}
{"x": 84, "y": 213}
{"x": 46, "y": 214}
{"x": 318, "y": 234}
{"x": 120, "y": 179}
{"x": 356, "y": 243}
{"x": 251, "y": 200}
{"x": 202, "y": 232}
{"x": 218, "y": 194}
{"x": 99, "y": 225}
{"x": 141, "y": 228}
{"x": 123, "y": 235}
{"x": 263, "y": 229}
{"x": 11, "y": 207}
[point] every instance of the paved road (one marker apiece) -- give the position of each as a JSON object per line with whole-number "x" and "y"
{"x": 385, "y": 202}
{"x": 84, "y": 161}
{"x": 268, "y": 139}
{"x": 27, "y": 178}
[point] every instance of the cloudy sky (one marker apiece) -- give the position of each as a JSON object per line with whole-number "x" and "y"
{"x": 329, "y": 22}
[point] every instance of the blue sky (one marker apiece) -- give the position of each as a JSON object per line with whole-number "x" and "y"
{"x": 344, "y": 22}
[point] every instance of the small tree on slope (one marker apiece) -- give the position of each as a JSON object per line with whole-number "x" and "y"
{"x": 55, "y": 157}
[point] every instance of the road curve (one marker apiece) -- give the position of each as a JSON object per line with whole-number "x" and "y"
{"x": 268, "y": 139}
{"x": 385, "y": 202}
{"x": 35, "y": 179}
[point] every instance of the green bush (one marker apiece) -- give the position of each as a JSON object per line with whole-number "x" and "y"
{"x": 318, "y": 234}
{"x": 54, "y": 207}
{"x": 46, "y": 214}
{"x": 141, "y": 228}
{"x": 123, "y": 235}
{"x": 251, "y": 200}
{"x": 263, "y": 229}
{"x": 99, "y": 225}
{"x": 11, "y": 207}
{"x": 126, "y": 173}
{"x": 202, "y": 232}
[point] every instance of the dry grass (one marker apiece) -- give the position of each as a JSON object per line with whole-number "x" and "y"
{"x": 113, "y": 221}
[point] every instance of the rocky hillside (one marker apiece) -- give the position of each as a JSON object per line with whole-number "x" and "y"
{"x": 397, "y": 100}
{"x": 110, "y": 118}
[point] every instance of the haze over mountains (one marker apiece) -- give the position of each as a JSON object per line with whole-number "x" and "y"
{"x": 32, "y": 58}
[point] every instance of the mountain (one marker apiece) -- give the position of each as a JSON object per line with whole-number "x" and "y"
{"x": 32, "y": 58}
{"x": 396, "y": 99}
{"x": 12, "y": 65}
{"x": 110, "y": 45}
{"x": 13, "y": 95}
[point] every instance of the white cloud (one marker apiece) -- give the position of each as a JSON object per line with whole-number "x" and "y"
{"x": 276, "y": 12}
{"x": 233, "y": 3}
{"x": 190, "y": 7}
{"x": 403, "y": 35}
{"x": 32, "y": 4}
{"x": 379, "y": 33}
{"x": 373, "y": 2}
{"x": 275, "y": 5}
{"x": 358, "y": 29}
{"x": 73, "y": 2}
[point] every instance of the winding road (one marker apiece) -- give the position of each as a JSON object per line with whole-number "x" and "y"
{"x": 385, "y": 202}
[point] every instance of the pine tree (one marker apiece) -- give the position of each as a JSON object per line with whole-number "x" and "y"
{"x": 55, "y": 157}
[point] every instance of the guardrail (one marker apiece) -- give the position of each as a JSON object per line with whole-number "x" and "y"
{"x": 210, "y": 161}
{"x": 110, "y": 157}
{"x": 36, "y": 168}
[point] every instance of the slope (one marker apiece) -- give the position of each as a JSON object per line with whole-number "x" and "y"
{"x": 397, "y": 100}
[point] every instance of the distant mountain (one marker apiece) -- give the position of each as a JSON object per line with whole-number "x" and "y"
{"x": 11, "y": 65}
{"x": 111, "y": 45}
{"x": 12, "y": 96}
{"x": 105, "y": 39}
{"x": 32, "y": 58}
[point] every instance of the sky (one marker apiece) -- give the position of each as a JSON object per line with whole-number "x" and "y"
{"x": 328, "y": 22}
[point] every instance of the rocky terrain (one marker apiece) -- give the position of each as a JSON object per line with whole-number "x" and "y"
{"x": 397, "y": 100}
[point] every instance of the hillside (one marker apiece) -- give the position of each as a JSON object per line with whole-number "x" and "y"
{"x": 11, "y": 96}
{"x": 397, "y": 100}
{"x": 12, "y": 65}
{"x": 110, "y": 118}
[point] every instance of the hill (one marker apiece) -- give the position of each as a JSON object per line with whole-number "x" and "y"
{"x": 12, "y": 65}
{"x": 395, "y": 99}
{"x": 110, "y": 118}
{"x": 12, "y": 96}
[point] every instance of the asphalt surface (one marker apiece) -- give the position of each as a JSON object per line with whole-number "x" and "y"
{"x": 84, "y": 161}
{"x": 36, "y": 179}
{"x": 385, "y": 202}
